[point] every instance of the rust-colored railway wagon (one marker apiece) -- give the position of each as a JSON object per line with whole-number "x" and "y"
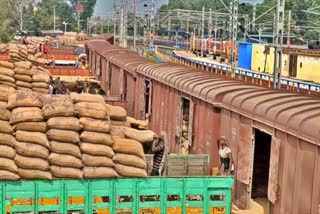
{"x": 274, "y": 136}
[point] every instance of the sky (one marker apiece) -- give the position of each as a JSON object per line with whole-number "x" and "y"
{"x": 104, "y": 7}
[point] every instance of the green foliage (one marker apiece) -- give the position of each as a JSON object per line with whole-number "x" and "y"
{"x": 311, "y": 35}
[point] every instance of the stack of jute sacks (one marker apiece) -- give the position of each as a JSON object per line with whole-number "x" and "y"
{"x": 63, "y": 133}
{"x": 96, "y": 143}
{"x": 8, "y": 168}
{"x": 23, "y": 75}
{"x": 32, "y": 145}
{"x": 7, "y": 75}
{"x": 18, "y": 52}
{"x": 40, "y": 79}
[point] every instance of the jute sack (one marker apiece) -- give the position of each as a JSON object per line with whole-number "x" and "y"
{"x": 31, "y": 163}
{"x": 8, "y": 176}
{"x": 40, "y": 77}
{"x": 85, "y": 97}
{"x": 51, "y": 99}
{"x": 34, "y": 174}
{"x": 24, "y": 99}
{"x": 59, "y": 109}
{"x": 143, "y": 136}
{"x": 4, "y": 112}
{"x": 5, "y": 127}
{"x": 32, "y": 150}
{"x": 96, "y": 161}
{"x": 138, "y": 123}
{"x": 117, "y": 113}
{"x": 7, "y": 64}
{"x": 5, "y": 92}
{"x": 65, "y": 148}
{"x": 26, "y": 114}
{"x": 25, "y": 64}
{"x": 118, "y": 131}
{"x": 10, "y": 84}
{"x": 93, "y": 125}
{"x": 24, "y": 88}
{"x": 7, "y": 152}
{"x": 129, "y": 171}
{"x": 23, "y": 71}
{"x": 7, "y": 78}
{"x": 99, "y": 172}
{"x": 128, "y": 146}
{"x": 64, "y": 123}
{"x": 120, "y": 123}
{"x": 41, "y": 90}
{"x": 8, "y": 140}
{"x": 33, "y": 137}
{"x": 66, "y": 172}
{"x": 93, "y": 110}
{"x": 96, "y": 149}
{"x": 94, "y": 137}
{"x": 22, "y": 77}
{"x": 23, "y": 84}
{"x": 129, "y": 160}
{"x": 31, "y": 127}
{"x": 40, "y": 85}
{"x": 6, "y": 71}
{"x": 64, "y": 160}
{"x": 63, "y": 136}
{"x": 8, "y": 164}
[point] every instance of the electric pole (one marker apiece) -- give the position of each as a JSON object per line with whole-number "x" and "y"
{"x": 54, "y": 18}
{"x": 202, "y": 32}
{"x": 230, "y": 20}
{"x": 289, "y": 28}
{"x": 278, "y": 44}
{"x": 134, "y": 26}
{"x": 210, "y": 24}
{"x": 152, "y": 24}
{"x": 188, "y": 21}
{"x": 254, "y": 13}
{"x": 234, "y": 36}
{"x": 169, "y": 27}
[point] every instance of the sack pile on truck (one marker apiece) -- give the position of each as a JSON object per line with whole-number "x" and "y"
{"x": 32, "y": 145}
{"x": 96, "y": 142}
{"x": 63, "y": 133}
{"x": 129, "y": 158}
{"x": 8, "y": 168}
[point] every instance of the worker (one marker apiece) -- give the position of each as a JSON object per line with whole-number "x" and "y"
{"x": 77, "y": 63}
{"x": 159, "y": 151}
{"x": 226, "y": 160}
{"x": 25, "y": 40}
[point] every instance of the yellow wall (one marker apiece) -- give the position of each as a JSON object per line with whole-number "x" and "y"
{"x": 258, "y": 60}
{"x": 310, "y": 69}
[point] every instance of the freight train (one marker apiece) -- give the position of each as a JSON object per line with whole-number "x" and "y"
{"x": 273, "y": 135}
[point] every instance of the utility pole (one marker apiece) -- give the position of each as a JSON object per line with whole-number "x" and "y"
{"x": 134, "y": 26}
{"x": 88, "y": 25}
{"x": 278, "y": 44}
{"x": 210, "y": 24}
{"x": 152, "y": 24}
{"x": 188, "y": 21}
{"x": 21, "y": 19}
{"x": 274, "y": 28}
{"x": 230, "y": 20}
{"x": 169, "y": 27}
{"x": 254, "y": 13}
{"x": 202, "y": 32}
{"x": 234, "y": 36}
{"x": 215, "y": 35}
{"x": 54, "y": 18}
{"x": 78, "y": 22}
{"x": 289, "y": 28}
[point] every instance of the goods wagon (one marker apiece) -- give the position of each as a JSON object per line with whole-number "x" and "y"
{"x": 274, "y": 135}
{"x": 218, "y": 48}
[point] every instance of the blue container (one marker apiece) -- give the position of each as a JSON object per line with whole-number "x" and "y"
{"x": 245, "y": 55}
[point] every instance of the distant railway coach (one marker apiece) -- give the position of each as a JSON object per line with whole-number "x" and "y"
{"x": 274, "y": 136}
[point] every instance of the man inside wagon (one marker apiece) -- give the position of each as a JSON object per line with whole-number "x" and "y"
{"x": 226, "y": 161}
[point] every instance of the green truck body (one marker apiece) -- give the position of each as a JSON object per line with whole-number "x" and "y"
{"x": 209, "y": 194}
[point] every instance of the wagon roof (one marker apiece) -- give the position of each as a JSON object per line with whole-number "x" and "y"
{"x": 292, "y": 113}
